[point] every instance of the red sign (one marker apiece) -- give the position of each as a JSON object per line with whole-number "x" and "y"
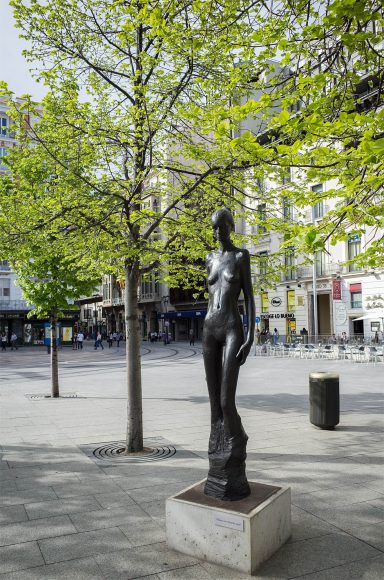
{"x": 336, "y": 289}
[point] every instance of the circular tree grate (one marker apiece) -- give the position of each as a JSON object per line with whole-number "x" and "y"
{"x": 114, "y": 451}
{"x": 37, "y": 397}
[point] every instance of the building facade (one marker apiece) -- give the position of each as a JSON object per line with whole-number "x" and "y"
{"x": 13, "y": 307}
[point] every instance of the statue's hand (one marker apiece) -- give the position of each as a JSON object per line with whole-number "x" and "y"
{"x": 243, "y": 352}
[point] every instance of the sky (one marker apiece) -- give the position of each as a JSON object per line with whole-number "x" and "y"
{"x": 14, "y": 69}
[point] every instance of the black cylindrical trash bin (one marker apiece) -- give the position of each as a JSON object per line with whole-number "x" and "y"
{"x": 324, "y": 400}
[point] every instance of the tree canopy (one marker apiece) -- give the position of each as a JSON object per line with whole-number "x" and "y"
{"x": 160, "y": 111}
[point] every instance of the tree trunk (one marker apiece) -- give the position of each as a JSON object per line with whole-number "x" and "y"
{"x": 135, "y": 410}
{"x": 54, "y": 357}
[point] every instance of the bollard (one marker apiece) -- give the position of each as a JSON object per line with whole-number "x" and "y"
{"x": 324, "y": 399}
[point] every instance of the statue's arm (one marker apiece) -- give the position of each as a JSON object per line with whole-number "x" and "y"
{"x": 249, "y": 306}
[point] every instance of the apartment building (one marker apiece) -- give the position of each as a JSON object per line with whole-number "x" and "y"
{"x": 13, "y": 307}
{"x": 348, "y": 299}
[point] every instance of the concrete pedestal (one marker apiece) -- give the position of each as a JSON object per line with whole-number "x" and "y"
{"x": 238, "y": 534}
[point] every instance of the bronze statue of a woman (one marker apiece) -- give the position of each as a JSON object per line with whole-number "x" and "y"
{"x": 225, "y": 349}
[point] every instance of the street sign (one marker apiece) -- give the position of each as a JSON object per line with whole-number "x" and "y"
{"x": 257, "y": 319}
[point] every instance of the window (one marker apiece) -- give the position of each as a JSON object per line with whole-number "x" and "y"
{"x": 5, "y": 288}
{"x": 354, "y": 249}
{"x": 106, "y": 291}
{"x": 3, "y": 153}
{"x": 356, "y": 300}
{"x": 264, "y": 302}
{"x": 3, "y": 125}
{"x": 356, "y": 297}
{"x": 291, "y": 300}
{"x": 4, "y": 265}
{"x": 289, "y": 263}
{"x": 321, "y": 262}
{"x": 287, "y": 210}
{"x": 263, "y": 264}
{"x": 318, "y": 208}
{"x": 287, "y": 176}
{"x": 262, "y": 214}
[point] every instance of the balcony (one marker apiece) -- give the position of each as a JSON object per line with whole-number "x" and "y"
{"x": 4, "y": 266}
{"x": 322, "y": 271}
{"x": 149, "y": 297}
{"x": 8, "y": 305}
{"x": 117, "y": 301}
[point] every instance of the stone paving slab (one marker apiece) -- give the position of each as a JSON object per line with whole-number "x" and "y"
{"x": 84, "y": 544}
{"x": 13, "y": 514}
{"x": 35, "y": 530}
{"x": 44, "y": 509}
{"x": 71, "y": 517}
{"x": 371, "y": 569}
{"x": 142, "y": 561}
{"x": 82, "y": 569}
{"x": 20, "y": 556}
{"x": 303, "y": 557}
{"x": 109, "y": 518}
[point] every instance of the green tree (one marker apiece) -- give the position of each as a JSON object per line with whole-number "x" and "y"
{"x": 148, "y": 109}
{"x": 48, "y": 253}
{"x": 143, "y": 88}
{"x": 51, "y": 283}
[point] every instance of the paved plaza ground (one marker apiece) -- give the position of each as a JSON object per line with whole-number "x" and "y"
{"x": 65, "y": 514}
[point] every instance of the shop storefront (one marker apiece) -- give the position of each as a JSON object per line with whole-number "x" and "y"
{"x": 179, "y": 324}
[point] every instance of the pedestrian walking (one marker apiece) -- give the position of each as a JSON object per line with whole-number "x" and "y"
{"x": 191, "y": 337}
{"x": 99, "y": 341}
{"x": 119, "y": 337}
{"x": 14, "y": 341}
{"x": 80, "y": 340}
{"x": 110, "y": 339}
{"x": 3, "y": 341}
{"x": 74, "y": 341}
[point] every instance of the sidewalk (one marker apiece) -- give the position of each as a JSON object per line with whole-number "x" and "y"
{"x": 66, "y": 514}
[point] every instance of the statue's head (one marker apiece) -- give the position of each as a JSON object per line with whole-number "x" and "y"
{"x": 223, "y": 223}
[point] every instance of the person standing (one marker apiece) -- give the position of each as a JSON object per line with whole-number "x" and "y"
{"x": 110, "y": 339}
{"x": 80, "y": 340}
{"x": 191, "y": 337}
{"x": 275, "y": 336}
{"x": 3, "y": 341}
{"x": 14, "y": 341}
{"x": 119, "y": 336}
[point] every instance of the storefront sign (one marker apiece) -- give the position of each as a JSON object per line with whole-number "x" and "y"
{"x": 291, "y": 300}
{"x": 276, "y": 301}
{"x": 341, "y": 314}
{"x": 282, "y": 315}
{"x": 336, "y": 289}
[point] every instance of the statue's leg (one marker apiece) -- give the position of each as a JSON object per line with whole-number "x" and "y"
{"x": 230, "y": 375}
{"x": 212, "y": 352}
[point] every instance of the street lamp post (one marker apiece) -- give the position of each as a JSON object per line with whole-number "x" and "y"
{"x": 165, "y": 300}
{"x": 95, "y": 296}
{"x": 314, "y": 285}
